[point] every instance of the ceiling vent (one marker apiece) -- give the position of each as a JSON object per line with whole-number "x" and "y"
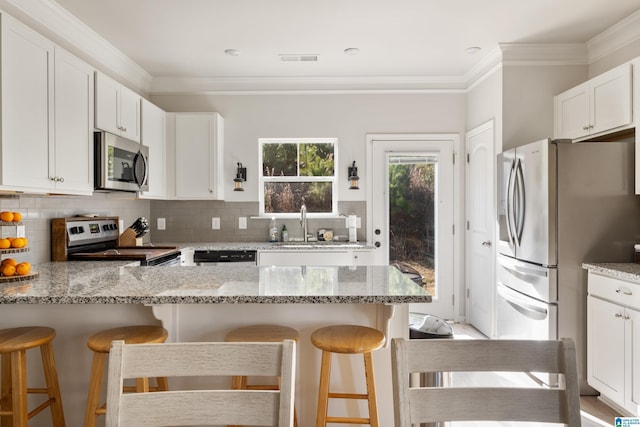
{"x": 298, "y": 58}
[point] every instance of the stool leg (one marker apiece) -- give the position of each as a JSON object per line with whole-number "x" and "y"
{"x": 162, "y": 383}
{"x": 95, "y": 386}
{"x": 142, "y": 385}
{"x": 323, "y": 391}
{"x": 5, "y": 391}
{"x": 371, "y": 389}
{"x": 238, "y": 383}
{"x": 53, "y": 387}
{"x": 19, "y": 387}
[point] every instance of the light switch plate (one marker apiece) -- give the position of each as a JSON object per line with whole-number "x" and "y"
{"x": 21, "y": 231}
{"x": 242, "y": 222}
{"x": 162, "y": 224}
{"x": 215, "y": 223}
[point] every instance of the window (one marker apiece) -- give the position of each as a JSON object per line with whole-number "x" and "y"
{"x": 295, "y": 168}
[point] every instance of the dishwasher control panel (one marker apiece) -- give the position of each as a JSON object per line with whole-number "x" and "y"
{"x": 201, "y": 256}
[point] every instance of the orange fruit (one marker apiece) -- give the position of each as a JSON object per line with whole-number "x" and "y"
{"x": 18, "y": 242}
{"x": 6, "y": 216}
{"x": 5, "y": 243}
{"x": 23, "y": 268}
{"x": 9, "y": 261}
{"x": 8, "y": 270}
{"x": 17, "y": 216}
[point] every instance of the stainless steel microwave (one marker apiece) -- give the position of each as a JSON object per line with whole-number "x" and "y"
{"x": 120, "y": 164}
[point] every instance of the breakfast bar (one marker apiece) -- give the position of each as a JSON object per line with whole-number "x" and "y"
{"x": 201, "y": 303}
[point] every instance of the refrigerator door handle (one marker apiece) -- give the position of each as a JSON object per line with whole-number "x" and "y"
{"x": 517, "y": 269}
{"x": 510, "y": 204}
{"x": 519, "y": 213}
{"x": 520, "y": 304}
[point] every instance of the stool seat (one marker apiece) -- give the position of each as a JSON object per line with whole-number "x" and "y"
{"x": 14, "y": 343}
{"x": 101, "y": 342}
{"x": 347, "y": 339}
{"x": 24, "y": 338}
{"x": 262, "y": 333}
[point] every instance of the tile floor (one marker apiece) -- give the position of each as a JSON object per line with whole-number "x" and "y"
{"x": 594, "y": 412}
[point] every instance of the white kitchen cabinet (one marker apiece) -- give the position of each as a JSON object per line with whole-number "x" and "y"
{"x": 311, "y": 257}
{"x": 153, "y": 136}
{"x": 47, "y": 115}
{"x": 198, "y": 143}
{"x": 596, "y": 107}
{"x": 613, "y": 340}
{"x": 117, "y": 108}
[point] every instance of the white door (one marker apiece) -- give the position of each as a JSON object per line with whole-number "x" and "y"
{"x": 411, "y": 211}
{"x": 480, "y": 228}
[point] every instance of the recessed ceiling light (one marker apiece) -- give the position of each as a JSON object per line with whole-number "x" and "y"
{"x": 232, "y": 52}
{"x": 473, "y": 50}
{"x": 352, "y": 51}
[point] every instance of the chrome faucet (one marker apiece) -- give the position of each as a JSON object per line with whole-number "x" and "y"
{"x": 303, "y": 221}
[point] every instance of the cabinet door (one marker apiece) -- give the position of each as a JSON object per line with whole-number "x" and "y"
{"x": 571, "y": 110}
{"x": 107, "y": 100}
{"x": 153, "y": 136}
{"x": 611, "y": 99}
{"x": 362, "y": 257}
{"x": 129, "y": 114}
{"x": 73, "y": 159}
{"x": 27, "y": 95}
{"x": 633, "y": 363}
{"x": 195, "y": 156}
{"x": 605, "y": 348}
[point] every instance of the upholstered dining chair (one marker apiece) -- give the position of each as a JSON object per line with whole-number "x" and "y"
{"x": 201, "y": 407}
{"x": 419, "y": 404}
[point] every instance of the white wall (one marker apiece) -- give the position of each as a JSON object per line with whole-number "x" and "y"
{"x": 346, "y": 117}
{"x": 484, "y": 103}
{"x": 615, "y": 58}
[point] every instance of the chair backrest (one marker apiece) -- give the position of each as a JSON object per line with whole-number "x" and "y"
{"x": 201, "y": 407}
{"x": 415, "y": 404}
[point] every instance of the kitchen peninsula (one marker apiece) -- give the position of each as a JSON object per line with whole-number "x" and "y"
{"x": 202, "y": 303}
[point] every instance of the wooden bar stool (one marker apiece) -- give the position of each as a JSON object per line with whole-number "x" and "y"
{"x": 346, "y": 339}
{"x": 14, "y": 344}
{"x": 261, "y": 333}
{"x": 100, "y": 344}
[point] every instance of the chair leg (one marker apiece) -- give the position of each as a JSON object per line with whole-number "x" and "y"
{"x": 371, "y": 390}
{"x": 53, "y": 387}
{"x": 5, "y": 390}
{"x": 323, "y": 390}
{"x": 95, "y": 386}
{"x": 19, "y": 387}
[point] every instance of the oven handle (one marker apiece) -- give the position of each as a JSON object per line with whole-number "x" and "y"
{"x": 521, "y": 303}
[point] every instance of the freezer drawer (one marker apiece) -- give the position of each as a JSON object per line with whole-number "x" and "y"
{"x": 519, "y": 316}
{"x": 530, "y": 279}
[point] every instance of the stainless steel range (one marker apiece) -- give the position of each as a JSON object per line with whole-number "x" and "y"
{"x": 97, "y": 238}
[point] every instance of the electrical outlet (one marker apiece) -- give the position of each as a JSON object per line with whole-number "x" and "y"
{"x": 242, "y": 222}
{"x": 21, "y": 231}
{"x": 162, "y": 224}
{"x": 215, "y": 223}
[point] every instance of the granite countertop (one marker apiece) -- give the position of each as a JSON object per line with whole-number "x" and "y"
{"x": 114, "y": 282}
{"x": 268, "y": 246}
{"x": 621, "y": 270}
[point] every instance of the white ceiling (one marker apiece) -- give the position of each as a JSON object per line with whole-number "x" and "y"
{"x": 187, "y": 38}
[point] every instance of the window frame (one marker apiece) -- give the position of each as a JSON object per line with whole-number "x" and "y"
{"x": 332, "y": 179}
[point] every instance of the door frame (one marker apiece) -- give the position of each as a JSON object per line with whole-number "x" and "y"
{"x": 458, "y": 204}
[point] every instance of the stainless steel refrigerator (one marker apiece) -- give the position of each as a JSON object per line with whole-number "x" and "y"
{"x": 560, "y": 204}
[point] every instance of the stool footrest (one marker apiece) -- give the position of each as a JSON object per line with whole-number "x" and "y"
{"x": 41, "y": 408}
{"x": 38, "y": 390}
{"x": 347, "y": 420}
{"x": 348, "y": 396}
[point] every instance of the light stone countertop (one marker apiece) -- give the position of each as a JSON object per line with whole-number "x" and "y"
{"x": 268, "y": 246}
{"x": 114, "y": 282}
{"x": 622, "y": 270}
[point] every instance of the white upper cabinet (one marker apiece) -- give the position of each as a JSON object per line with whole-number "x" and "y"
{"x": 117, "y": 108}
{"x": 596, "y": 107}
{"x": 198, "y": 144}
{"x": 47, "y": 115}
{"x": 153, "y": 136}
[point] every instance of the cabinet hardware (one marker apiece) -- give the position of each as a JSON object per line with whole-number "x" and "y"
{"x": 623, "y": 292}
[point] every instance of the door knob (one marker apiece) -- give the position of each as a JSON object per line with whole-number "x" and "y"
{"x": 486, "y": 243}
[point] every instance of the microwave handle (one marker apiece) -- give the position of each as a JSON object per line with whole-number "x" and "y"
{"x": 140, "y": 158}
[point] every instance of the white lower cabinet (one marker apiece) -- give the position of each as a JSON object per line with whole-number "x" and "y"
{"x": 613, "y": 340}
{"x": 314, "y": 257}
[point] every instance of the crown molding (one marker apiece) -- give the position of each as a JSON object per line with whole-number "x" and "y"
{"x": 543, "y": 53}
{"x": 614, "y": 37}
{"x": 60, "y": 24}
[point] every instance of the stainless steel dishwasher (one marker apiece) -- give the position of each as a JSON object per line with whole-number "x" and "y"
{"x": 213, "y": 257}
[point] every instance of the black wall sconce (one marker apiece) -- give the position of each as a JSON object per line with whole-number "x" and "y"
{"x": 353, "y": 176}
{"x": 241, "y": 176}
